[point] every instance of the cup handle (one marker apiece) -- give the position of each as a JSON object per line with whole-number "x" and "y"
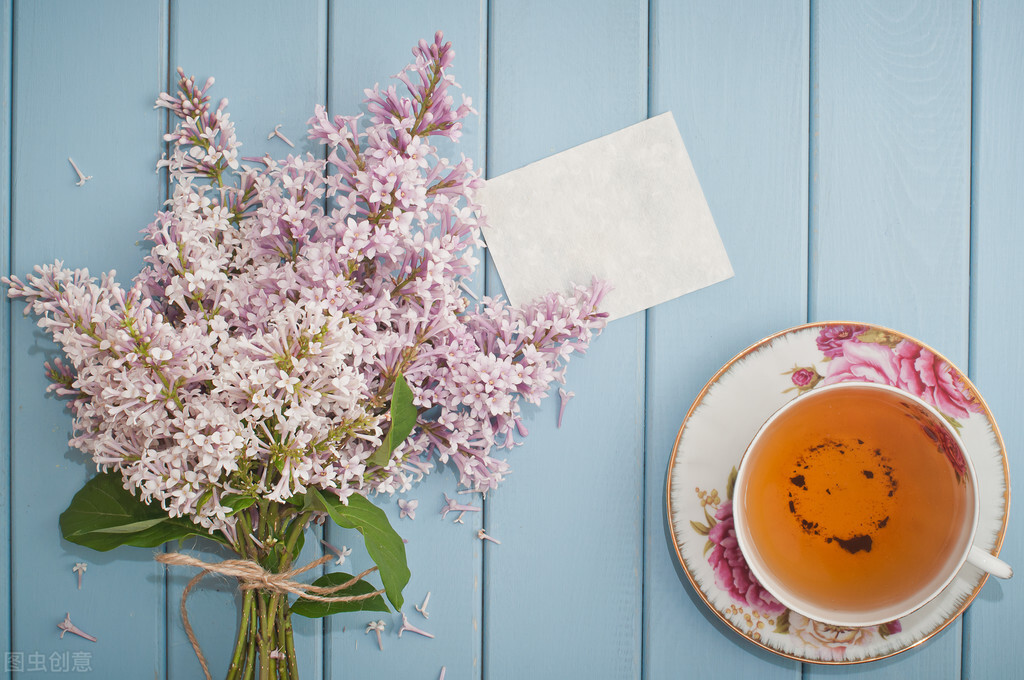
{"x": 988, "y": 562}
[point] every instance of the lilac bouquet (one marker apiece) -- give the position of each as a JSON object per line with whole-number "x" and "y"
{"x": 298, "y": 338}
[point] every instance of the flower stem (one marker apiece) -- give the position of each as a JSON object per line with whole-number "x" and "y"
{"x": 286, "y": 644}
{"x": 250, "y": 659}
{"x": 294, "y": 532}
{"x": 289, "y": 644}
{"x": 269, "y": 639}
{"x": 262, "y": 642}
{"x": 235, "y": 669}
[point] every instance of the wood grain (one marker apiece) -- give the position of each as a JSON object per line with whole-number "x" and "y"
{"x": 567, "y": 575}
{"x": 735, "y": 78}
{"x": 75, "y": 73}
{"x": 6, "y": 59}
{"x": 997, "y": 293}
{"x": 890, "y": 197}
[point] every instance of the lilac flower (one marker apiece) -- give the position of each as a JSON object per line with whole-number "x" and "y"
{"x": 563, "y": 401}
{"x": 452, "y": 506}
{"x": 66, "y": 626}
{"x": 406, "y": 626}
{"x": 407, "y": 508}
{"x": 258, "y": 348}
{"x": 342, "y": 553}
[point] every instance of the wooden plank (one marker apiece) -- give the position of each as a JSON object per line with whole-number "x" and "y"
{"x": 6, "y": 56}
{"x": 890, "y": 197}
{"x": 445, "y": 559}
{"x": 567, "y": 576}
{"x": 735, "y": 76}
{"x": 272, "y": 67}
{"x": 84, "y": 86}
{"x": 997, "y": 288}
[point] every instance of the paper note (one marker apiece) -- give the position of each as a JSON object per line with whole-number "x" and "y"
{"x": 626, "y": 207}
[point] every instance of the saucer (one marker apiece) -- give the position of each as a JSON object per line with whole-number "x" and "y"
{"x": 724, "y": 418}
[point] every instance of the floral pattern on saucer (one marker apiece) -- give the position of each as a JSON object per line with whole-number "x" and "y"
{"x": 724, "y": 418}
{"x": 759, "y": 609}
{"x": 863, "y": 354}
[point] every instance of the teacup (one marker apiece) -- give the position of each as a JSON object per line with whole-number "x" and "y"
{"x": 857, "y": 503}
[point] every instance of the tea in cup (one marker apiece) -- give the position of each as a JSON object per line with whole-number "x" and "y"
{"x": 856, "y": 504}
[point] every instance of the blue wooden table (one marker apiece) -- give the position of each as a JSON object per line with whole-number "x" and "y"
{"x": 862, "y": 160}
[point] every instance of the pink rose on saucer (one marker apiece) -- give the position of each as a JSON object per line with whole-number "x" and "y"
{"x": 831, "y": 338}
{"x": 925, "y": 375}
{"x": 802, "y": 377}
{"x": 731, "y": 571}
{"x": 864, "y": 362}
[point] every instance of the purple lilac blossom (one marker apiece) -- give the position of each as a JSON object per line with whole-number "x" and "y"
{"x": 257, "y": 350}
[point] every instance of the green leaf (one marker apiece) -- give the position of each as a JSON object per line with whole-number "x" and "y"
{"x": 236, "y": 502}
{"x": 403, "y": 420}
{"x": 730, "y": 485}
{"x": 782, "y": 623}
{"x": 383, "y": 544}
{"x": 313, "y": 609}
{"x": 134, "y": 527}
{"x": 298, "y": 545}
{"x": 708, "y": 546}
{"x": 700, "y": 528}
{"x": 104, "y": 515}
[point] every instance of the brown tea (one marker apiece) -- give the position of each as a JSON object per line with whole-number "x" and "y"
{"x": 857, "y": 501}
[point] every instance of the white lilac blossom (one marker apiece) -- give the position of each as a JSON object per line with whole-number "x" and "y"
{"x": 484, "y": 536}
{"x": 407, "y": 508}
{"x": 257, "y": 351}
{"x": 82, "y": 177}
{"x": 66, "y": 626}
{"x": 277, "y": 133}
{"x": 406, "y": 626}
{"x": 341, "y": 553}
{"x": 450, "y": 505}
{"x": 422, "y": 608}
{"x": 563, "y": 401}
{"x": 377, "y": 627}
{"x": 79, "y": 569}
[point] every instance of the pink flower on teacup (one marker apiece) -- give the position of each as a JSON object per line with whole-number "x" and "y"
{"x": 863, "y": 362}
{"x": 830, "y": 642}
{"x": 925, "y": 375}
{"x": 731, "y": 571}
{"x": 949, "y": 448}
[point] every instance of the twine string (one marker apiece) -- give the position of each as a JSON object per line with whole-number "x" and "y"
{"x": 252, "y": 576}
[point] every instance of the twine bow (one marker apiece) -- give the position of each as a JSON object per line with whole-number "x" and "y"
{"x": 252, "y": 576}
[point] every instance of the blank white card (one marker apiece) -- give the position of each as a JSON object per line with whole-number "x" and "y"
{"x": 627, "y": 208}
